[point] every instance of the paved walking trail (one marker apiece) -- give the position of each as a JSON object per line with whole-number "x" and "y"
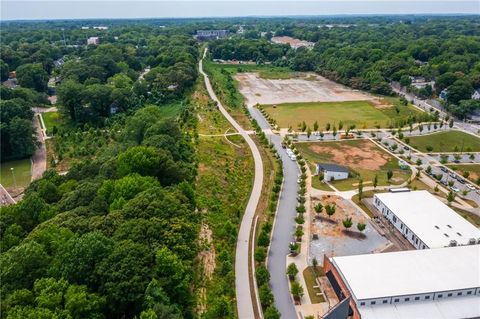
{"x": 242, "y": 278}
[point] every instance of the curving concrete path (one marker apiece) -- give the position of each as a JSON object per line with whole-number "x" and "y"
{"x": 242, "y": 260}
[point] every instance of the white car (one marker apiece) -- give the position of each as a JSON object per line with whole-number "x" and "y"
{"x": 455, "y": 189}
{"x": 293, "y": 158}
{"x": 470, "y": 187}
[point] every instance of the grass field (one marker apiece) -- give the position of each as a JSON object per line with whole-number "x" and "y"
{"x": 309, "y": 276}
{"x": 362, "y": 114}
{"x": 22, "y": 173}
{"x": 51, "y": 119}
{"x": 362, "y": 157}
{"x": 449, "y": 141}
{"x": 472, "y": 169}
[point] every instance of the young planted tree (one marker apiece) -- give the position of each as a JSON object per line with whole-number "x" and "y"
{"x": 450, "y": 197}
{"x": 330, "y": 210}
{"x": 375, "y": 181}
{"x": 315, "y": 126}
{"x": 360, "y": 189}
{"x": 389, "y": 175}
{"x": 340, "y": 125}
{"x": 318, "y": 208}
{"x": 361, "y": 226}
{"x": 315, "y": 265}
{"x": 296, "y": 290}
{"x": 347, "y": 222}
{"x": 429, "y": 148}
{"x": 292, "y": 271}
{"x": 304, "y": 126}
{"x": 309, "y": 132}
{"x": 327, "y": 127}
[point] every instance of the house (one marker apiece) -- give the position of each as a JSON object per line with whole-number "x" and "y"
{"x": 443, "y": 94}
{"x": 432, "y": 283}
{"x": 93, "y": 41}
{"x": 425, "y": 221}
{"x": 211, "y": 34}
{"x": 332, "y": 172}
{"x": 476, "y": 95}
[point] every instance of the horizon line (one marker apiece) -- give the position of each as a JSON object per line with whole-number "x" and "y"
{"x": 432, "y": 14}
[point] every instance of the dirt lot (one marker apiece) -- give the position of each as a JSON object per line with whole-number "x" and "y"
{"x": 365, "y": 156}
{"x": 307, "y": 88}
{"x": 334, "y": 240}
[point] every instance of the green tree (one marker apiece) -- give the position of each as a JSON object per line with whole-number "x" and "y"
{"x": 450, "y": 197}
{"x": 32, "y": 75}
{"x": 375, "y": 181}
{"x": 296, "y": 290}
{"x": 271, "y": 313}
{"x": 361, "y": 226}
{"x": 389, "y": 175}
{"x": 330, "y": 209}
{"x": 315, "y": 126}
{"x": 347, "y": 222}
{"x": 292, "y": 271}
{"x": 360, "y": 189}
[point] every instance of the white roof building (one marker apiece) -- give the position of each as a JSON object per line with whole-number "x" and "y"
{"x": 425, "y": 221}
{"x": 432, "y": 283}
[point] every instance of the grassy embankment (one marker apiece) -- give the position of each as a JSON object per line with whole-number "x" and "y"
{"x": 224, "y": 182}
{"x": 472, "y": 170}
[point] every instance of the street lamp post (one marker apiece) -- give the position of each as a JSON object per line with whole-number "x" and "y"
{"x": 13, "y": 175}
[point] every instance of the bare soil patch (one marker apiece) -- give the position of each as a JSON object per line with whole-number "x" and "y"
{"x": 364, "y": 156}
{"x": 305, "y": 87}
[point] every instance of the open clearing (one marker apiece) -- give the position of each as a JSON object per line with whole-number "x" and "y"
{"x": 362, "y": 114}
{"x": 362, "y": 157}
{"x": 22, "y": 171}
{"x": 449, "y": 141}
{"x": 51, "y": 119}
{"x": 309, "y": 88}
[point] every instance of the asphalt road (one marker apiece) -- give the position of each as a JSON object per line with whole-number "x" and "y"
{"x": 242, "y": 260}
{"x": 284, "y": 224}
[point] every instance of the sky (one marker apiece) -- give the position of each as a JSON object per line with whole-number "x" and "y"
{"x": 90, "y": 9}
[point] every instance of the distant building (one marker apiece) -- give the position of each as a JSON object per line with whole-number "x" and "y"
{"x": 85, "y": 28}
{"x": 100, "y": 28}
{"x": 476, "y": 95}
{"x": 59, "y": 62}
{"x": 211, "y": 34}
{"x": 443, "y": 94}
{"x": 93, "y": 41}
{"x": 332, "y": 172}
{"x": 432, "y": 283}
{"x": 294, "y": 43}
{"x": 425, "y": 221}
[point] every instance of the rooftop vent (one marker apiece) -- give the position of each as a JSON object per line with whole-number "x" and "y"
{"x": 453, "y": 243}
{"x": 459, "y": 234}
{"x": 437, "y": 227}
{"x": 472, "y": 241}
{"x": 446, "y": 235}
{"x": 449, "y": 226}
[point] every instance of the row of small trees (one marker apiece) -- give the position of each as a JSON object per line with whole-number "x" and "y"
{"x": 263, "y": 241}
{"x": 330, "y": 210}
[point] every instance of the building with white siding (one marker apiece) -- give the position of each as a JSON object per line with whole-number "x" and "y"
{"x": 431, "y": 283}
{"x": 425, "y": 221}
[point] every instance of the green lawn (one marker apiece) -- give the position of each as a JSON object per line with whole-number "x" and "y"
{"x": 21, "y": 169}
{"x": 362, "y": 114}
{"x": 448, "y": 141}
{"x": 362, "y": 157}
{"x": 309, "y": 276}
{"x": 51, "y": 119}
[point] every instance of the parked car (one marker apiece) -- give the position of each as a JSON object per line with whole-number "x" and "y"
{"x": 455, "y": 189}
{"x": 444, "y": 182}
{"x": 460, "y": 180}
{"x": 444, "y": 169}
{"x": 406, "y": 148}
{"x": 470, "y": 187}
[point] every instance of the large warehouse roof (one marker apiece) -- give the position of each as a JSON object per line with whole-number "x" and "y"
{"x": 432, "y": 221}
{"x": 410, "y": 272}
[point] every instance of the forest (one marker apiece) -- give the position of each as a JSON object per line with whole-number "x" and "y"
{"x": 115, "y": 237}
{"x": 370, "y": 53}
